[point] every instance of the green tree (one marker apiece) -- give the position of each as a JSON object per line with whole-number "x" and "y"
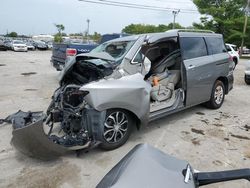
{"x": 225, "y": 17}
{"x": 58, "y": 37}
{"x": 142, "y": 28}
{"x": 12, "y": 34}
{"x": 96, "y": 36}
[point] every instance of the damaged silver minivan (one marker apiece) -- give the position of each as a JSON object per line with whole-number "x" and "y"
{"x": 128, "y": 82}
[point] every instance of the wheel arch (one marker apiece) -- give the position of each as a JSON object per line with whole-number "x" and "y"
{"x": 133, "y": 114}
{"x": 235, "y": 59}
{"x": 224, "y": 80}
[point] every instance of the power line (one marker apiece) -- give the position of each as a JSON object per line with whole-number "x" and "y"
{"x": 177, "y": 2}
{"x": 138, "y": 6}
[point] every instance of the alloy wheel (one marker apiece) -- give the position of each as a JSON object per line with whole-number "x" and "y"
{"x": 115, "y": 127}
{"x": 218, "y": 94}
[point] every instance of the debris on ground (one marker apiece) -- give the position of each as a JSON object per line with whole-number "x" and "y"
{"x": 197, "y": 131}
{"x": 200, "y": 113}
{"x": 30, "y": 90}
{"x": 28, "y": 73}
{"x": 240, "y": 137}
{"x": 195, "y": 141}
{"x": 205, "y": 121}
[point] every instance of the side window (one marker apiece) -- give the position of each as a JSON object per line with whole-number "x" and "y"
{"x": 138, "y": 57}
{"x": 215, "y": 45}
{"x": 193, "y": 47}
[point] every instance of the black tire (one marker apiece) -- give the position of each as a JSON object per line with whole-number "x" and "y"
{"x": 217, "y": 98}
{"x": 247, "y": 80}
{"x": 112, "y": 131}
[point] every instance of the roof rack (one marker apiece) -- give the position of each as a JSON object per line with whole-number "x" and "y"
{"x": 193, "y": 30}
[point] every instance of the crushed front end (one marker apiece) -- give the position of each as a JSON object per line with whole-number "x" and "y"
{"x": 69, "y": 123}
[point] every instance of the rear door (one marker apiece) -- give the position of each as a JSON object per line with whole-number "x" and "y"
{"x": 217, "y": 49}
{"x": 198, "y": 69}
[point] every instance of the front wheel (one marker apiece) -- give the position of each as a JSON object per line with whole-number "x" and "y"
{"x": 117, "y": 128}
{"x": 217, "y": 95}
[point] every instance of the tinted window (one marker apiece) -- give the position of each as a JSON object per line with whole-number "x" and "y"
{"x": 193, "y": 47}
{"x": 215, "y": 45}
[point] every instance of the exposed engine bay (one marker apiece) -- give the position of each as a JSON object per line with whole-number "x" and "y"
{"x": 67, "y": 111}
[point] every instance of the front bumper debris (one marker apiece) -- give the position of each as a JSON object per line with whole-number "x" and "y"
{"x": 29, "y": 137}
{"x": 32, "y": 141}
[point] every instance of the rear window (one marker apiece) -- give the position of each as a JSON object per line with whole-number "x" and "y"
{"x": 215, "y": 45}
{"x": 193, "y": 47}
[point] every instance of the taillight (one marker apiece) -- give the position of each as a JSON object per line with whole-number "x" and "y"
{"x": 71, "y": 52}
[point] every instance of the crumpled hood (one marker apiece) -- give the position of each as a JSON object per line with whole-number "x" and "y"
{"x": 99, "y": 55}
{"x": 71, "y": 61}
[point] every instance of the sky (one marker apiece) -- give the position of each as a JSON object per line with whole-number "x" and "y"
{"x": 32, "y": 17}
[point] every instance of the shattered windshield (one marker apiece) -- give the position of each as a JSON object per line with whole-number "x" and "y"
{"x": 117, "y": 49}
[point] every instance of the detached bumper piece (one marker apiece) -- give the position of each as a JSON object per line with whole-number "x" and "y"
{"x": 32, "y": 141}
{"x": 29, "y": 137}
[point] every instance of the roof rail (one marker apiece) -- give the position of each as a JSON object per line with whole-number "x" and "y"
{"x": 193, "y": 30}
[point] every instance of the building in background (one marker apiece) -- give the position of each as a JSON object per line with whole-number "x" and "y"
{"x": 43, "y": 37}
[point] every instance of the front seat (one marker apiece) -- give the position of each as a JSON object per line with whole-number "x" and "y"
{"x": 167, "y": 82}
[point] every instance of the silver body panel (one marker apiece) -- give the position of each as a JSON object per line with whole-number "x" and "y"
{"x": 126, "y": 87}
{"x": 145, "y": 166}
{"x": 130, "y": 92}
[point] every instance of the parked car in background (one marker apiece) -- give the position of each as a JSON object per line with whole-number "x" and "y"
{"x": 30, "y": 46}
{"x": 61, "y": 51}
{"x": 233, "y": 51}
{"x": 8, "y": 44}
{"x": 40, "y": 45}
{"x": 3, "y": 47}
{"x": 247, "y": 73}
{"x": 50, "y": 45}
{"x": 246, "y": 50}
{"x": 19, "y": 46}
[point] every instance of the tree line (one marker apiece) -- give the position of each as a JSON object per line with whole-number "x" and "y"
{"x": 221, "y": 16}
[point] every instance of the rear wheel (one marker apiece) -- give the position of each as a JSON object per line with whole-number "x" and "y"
{"x": 217, "y": 95}
{"x": 118, "y": 126}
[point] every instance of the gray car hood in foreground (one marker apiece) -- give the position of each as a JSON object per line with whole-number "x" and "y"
{"x": 147, "y": 167}
{"x": 130, "y": 92}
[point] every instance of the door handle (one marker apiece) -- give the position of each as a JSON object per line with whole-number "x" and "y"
{"x": 191, "y": 66}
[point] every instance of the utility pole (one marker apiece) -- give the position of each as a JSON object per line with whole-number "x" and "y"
{"x": 175, "y": 13}
{"x": 88, "y": 29}
{"x": 247, "y": 13}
